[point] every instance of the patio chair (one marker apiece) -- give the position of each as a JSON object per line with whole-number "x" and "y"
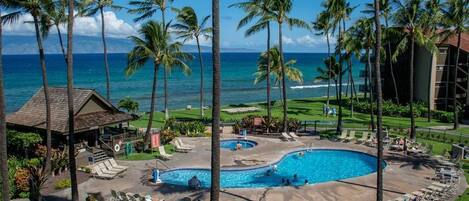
{"x": 286, "y": 137}
{"x": 98, "y": 173}
{"x": 180, "y": 148}
{"x": 108, "y": 164}
{"x": 163, "y": 153}
{"x": 184, "y": 145}
{"x": 293, "y": 135}
{"x": 104, "y": 169}
{"x": 351, "y": 136}
{"x": 364, "y": 137}
{"x": 343, "y": 135}
{"x": 114, "y": 164}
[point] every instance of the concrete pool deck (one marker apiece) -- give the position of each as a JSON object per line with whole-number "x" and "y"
{"x": 402, "y": 175}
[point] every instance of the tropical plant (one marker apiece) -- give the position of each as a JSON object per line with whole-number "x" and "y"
{"x": 71, "y": 113}
{"x": 154, "y": 46}
{"x": 261, "y": 9}
{"x": 280, "y": 11}
{"x": 146, "y": 9}
{"x": 128, "y": 104}
{"x": 167, "y": 136}
{"x": 455, "y": 21}
{"x": 410, "y": 18}
{"x": 292, "y": 73}
{"x": 55, "y": 12}
{"x": 22, "y": 142}
{"x": 323, "y": 26}
{"x": 216, "y": 104}
{"x": 4, "y": 180}
{"x": 331, "y": 72}
{"x": 90, "y": 8}
{"x": 187, "y": 28}
{"x": 37, "y": 179}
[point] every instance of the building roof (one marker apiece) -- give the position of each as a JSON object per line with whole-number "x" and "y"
{"x": 453, "y": 41}
{"x": 33, "y": 113}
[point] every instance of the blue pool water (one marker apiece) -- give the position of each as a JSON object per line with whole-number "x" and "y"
{"x": 316, "y": 166}
{"x": 231, "y": 144}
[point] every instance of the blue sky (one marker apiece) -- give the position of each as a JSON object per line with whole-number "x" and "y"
{"x": 121, "y": 25}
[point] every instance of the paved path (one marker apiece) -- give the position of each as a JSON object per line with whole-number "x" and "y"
{"x": 402, "y": 175}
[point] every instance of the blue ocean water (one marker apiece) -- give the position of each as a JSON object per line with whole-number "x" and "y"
{"x": 23, "y": 79}
{"x": 315, "y": 166}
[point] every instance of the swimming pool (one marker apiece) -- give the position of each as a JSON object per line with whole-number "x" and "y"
{"x": 231, "y": 144}
{"x": 316, "y": 166}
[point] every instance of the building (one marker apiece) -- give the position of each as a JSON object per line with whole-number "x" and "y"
{"x": 97, "y": 122}
{"x": 433, "y": 75}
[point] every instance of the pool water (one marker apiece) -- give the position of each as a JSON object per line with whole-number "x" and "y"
{"x": 316, "y": 166}
{"x": 231, "y": 144}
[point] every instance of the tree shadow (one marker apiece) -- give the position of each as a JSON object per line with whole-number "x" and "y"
{"x": 416, "y": 162}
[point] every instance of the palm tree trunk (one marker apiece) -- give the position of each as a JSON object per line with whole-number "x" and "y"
{"x": 351, "y": 85}
{"x": 61, "y": 42}
{"x": 269, "y": 112}
{"x": 215, "y": 179}
{"x": 45, "y": 85}
{"x": 339, "y": 121}
{"x": 379, "y": 185}
{"x": 201, "y": 79}
{"x": 371, "y": 88}
{"x": 455, "y": 101}
{"x": 71, "y": 114}
{"x": 152, "y": 102}
{"x": 393, "y": 77}
{"x": 411, "y": 97}
{"x": 106, "y": 65}
{"x": 165, "y": 74}
{"x": 3, "y": 133}
{"x": 284, "y": 87}
{"x": 329, "y": 72}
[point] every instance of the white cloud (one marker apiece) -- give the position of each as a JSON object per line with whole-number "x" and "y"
{"x": 202, "y": 40}
{"x": 88, "y": 26}
{"x": 314, "y": 41}
{"x": 287, "y": 40}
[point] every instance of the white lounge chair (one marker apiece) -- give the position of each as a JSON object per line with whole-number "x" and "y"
{"x": 180, "y": 148}
{"x": 110, "y": 166}
{"x": 114, "y": 164}
{"x": 106, "y": 170}
{"x": 343, "y": 135}
{"x": 163, "y": 153}
{"x": 286, "y": 137}
{"x": 184, "y": 145}
{"x": 364, "y": 137}
{"x": 293, "y": 135}
{"x": 351, "y": 136}
{"x": 98, "y": 173}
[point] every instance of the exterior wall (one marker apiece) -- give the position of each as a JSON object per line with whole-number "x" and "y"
{"x": 423, "y": 71}
{"x": 93, "y": 105}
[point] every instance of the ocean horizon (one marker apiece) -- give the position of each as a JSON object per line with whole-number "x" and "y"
{"x": 23, "y": 78}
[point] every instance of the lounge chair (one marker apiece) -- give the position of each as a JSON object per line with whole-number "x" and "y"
{"x": 114, "y": 164}
{"x": 106, "y": 170}
{"x": 180, "y": 148}
{"x": 343, "y": 135}
{"x": 163, "y": 153}
{"x": 364, "y": 137}
{"x": 110, "y": 166}
{"x": 293, "y": 135}
{"x": 351, "y": 136}
{"x": 286, "y": 137}
{"x": 98, "y": 173}
{"x": 184, "y": 145}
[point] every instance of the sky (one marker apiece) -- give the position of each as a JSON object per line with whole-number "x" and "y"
{"x": 120, "y": 24}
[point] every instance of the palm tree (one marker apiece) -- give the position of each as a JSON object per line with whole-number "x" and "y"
{"x": 215, "y": 173}
{"x": 71, "y": 113}
{"x": 409, "y": 18}
{"x": 146, "y": 9}
{"x": 3, "y": 130}
{"x": 187, "y": 28}
{"x": 292, "y": 73}
{"x": 280, "y": 11}
{"x": 90, "y": 8}
{"x": 128, "y": 104}
{"x": 353, "y": 46}
{"x": 55, "y": 12}
{"x": 379, "y": 92}
{"x": 331, "y": 72}
{"x": 456, "y": 18}
{"x": 154, "y": 46}
{"x": 323, "y": 26}
{"x": 259, "y": 8}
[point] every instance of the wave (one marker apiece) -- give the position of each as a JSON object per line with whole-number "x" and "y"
{"x": 320, "y": 86}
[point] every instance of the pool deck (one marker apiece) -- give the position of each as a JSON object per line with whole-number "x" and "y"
{"x": 402, "y": 175}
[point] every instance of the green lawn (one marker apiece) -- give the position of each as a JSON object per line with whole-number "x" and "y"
{"x": 169, "y": 148}
{"x": 302, "y": 109}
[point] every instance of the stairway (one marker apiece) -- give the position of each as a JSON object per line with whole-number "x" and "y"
{"x": 99, "y": 155}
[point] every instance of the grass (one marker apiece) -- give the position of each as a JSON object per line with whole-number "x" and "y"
{"x": 302, "y": 109}
{"x": 148, "y": 155}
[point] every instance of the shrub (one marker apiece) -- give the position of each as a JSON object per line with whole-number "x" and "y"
{"x": 166, "y": 136}
{"x": 63, "y": 184}
{"x": 293, "y": 124}
{"x": 22, "y": 143}
{"x": 22, "y": 179}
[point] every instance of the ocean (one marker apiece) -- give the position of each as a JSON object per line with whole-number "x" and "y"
{"x": 23, "y": 79}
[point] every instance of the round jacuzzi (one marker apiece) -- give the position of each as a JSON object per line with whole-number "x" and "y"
{"x": 232, "y": 144}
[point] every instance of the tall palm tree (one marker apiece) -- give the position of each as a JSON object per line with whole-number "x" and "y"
{"x": 379, "y": 93}
{"x": 3, "y": 130}
{"x": 323, "y": 26}
{"x": 408, "y": 18}
{"x": 146, "y": 9}
{"x": 154, "y": 46}
{"x": 55, "y": 12}
{"x": 456, "y": 18}
{"x": 331, "y": 72}
{"x": 90, "y": 8}
{"x": 292, "y": 73}
{"x": 71, "y": 113}
{"x": 187, "y": 28}
{"x": 280, "y": 11}
{"x": 215, "y": 162}
{"x": 261, "y": 9}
